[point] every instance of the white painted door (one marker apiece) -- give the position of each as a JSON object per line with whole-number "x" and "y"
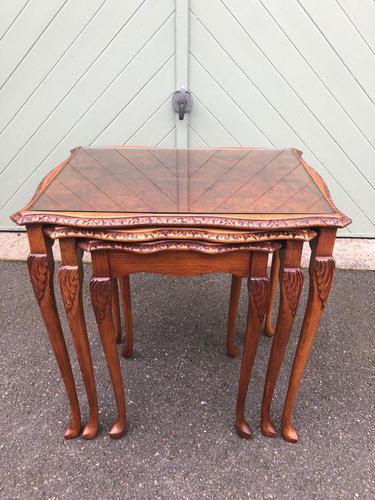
{"x": 262, "y": 73}
{"x": 77, "y": 73}
{"x": 291, "y": 73}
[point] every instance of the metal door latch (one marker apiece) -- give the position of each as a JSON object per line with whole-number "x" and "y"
{"x": 181, "y": 101}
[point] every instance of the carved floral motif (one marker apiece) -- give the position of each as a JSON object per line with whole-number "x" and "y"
{"x": 39, "y": 273}
{"x": 100, "y": 295}
{"x": 161, "y": 246}
{"x": 258, "y": 291}
{"x": 324, "y": 272}
{"x": 144, "y": 235}
{"x": 338, "y": 220}
{"x": 69, "y": 284}
{"x": 292, "y": 286}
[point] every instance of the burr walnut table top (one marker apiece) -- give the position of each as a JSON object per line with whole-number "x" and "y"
{"x": 114, "y": 187}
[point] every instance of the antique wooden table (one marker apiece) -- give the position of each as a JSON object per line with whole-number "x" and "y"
{"x": 183, "y": 199}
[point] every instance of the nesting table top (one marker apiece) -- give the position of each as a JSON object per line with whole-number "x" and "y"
{"x": 242, "y": 188}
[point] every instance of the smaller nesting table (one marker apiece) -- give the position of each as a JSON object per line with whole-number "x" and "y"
{"x": 176, "y": 258}
{"x": 182, "y": 212}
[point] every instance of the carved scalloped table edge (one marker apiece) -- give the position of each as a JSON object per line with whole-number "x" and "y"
{"x": 101, "y": 220}
{"x": 167, "y": 233}
{"x": 192, "y": 246}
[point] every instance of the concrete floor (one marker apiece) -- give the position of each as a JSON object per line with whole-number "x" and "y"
{"x": 181, "y": 390}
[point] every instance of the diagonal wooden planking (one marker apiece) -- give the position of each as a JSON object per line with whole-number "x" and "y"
{"x": 97, "y": 122}
{"x": 168, "y": 141}
{"x": 226, "y": 110}
{"x": 195, "y": 141}
{"x": 130, "y": 120}
{"x": 10, "y": 10}
{"x": 319, "y": 54}
{"x": 207, "y": 127}
{"x": 242, "y": 94}
{"x": 241, "y": 88}
{"x": 362, "y": 16}
{"x": 159, "y": 128}
{"x": 278, "y": 92}
{"x": 306, "y": 84}
{"x": 104, "y": 104}
{"x": 104, "y": 44}
{"x": 44, "y": 56}
{"x": 24, "y": 33}
{"x": 346, "y": 41}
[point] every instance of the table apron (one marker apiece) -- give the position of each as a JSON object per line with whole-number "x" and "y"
{"x": 174, "y": 263}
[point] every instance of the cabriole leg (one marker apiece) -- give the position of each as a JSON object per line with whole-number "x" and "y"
{"x": 127, "y": 308}
{"x": 321, "y": 271}
{"x": 101, "y": 294}
{"x": 291, "y": 282}
{"x": 269, "y": 329}
{"x": 41, "y": 269}
{"x": 70, "y": 281}
{"x": 235, "y": 292}
{"x": 116, "y": 311}
{"x": 258, "y": 286}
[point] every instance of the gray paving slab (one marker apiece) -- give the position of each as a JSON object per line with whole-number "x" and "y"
{"x": 181, "y": 391}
